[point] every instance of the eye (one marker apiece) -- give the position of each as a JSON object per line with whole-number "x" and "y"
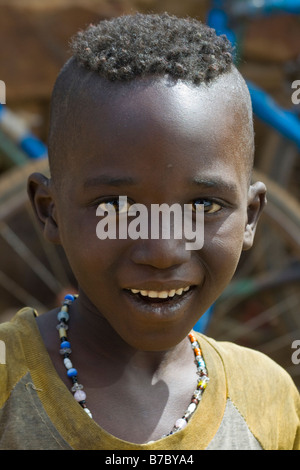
{"x": 210, "y": 206}
{"x": 120, "y": 205}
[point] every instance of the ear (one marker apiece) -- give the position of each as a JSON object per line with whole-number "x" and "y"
{"x": 41, "y": 198}
{"x": 256, "y": 203}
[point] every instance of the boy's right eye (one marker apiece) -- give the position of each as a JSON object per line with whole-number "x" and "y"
{"x": 119, "y": 205}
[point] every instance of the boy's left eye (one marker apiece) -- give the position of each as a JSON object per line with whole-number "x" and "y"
{"x": 209, "y": 206}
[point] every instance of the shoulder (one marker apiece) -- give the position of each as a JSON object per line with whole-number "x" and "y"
{"x": 19, "y": 326}
{"x": 250, "y": 366}
{"x": 13, "y": 336}
{"x": 264, "y": 394}
{"x": 250, "y": 370}
{"x": 240, "y": 359}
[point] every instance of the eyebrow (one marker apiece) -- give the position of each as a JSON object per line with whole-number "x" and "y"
{"x": 216, "y": 183}
{"x": 117, "y": 181}
{"x": 107, "y": 180}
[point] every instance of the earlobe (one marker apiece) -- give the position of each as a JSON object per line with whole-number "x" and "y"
{"x": 41, "y": 198}
{"x": 256, "y": 203}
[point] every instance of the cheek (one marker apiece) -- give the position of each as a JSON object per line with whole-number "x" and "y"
{"x": 90, "y": 259}
{"x": 222, "y": 250}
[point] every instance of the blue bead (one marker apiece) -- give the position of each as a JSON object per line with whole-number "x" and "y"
{"x": 69, "y": 297}
{"x": 72, "y": 372}
{"x": 65, "y": 344}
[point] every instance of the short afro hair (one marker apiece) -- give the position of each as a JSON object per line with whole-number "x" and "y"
{"x": 140, "y": 45}
{"x": 131, "y": 47}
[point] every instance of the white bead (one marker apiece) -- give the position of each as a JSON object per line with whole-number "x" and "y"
{"x": 76, "y": 387}
{"x": 192, "y": 407}
{"x": 67, "y": 362}
{"x": 180, "y": 423}
{"x": 88, "y": 412}
{"x": 197, "y": 394}
{"x": 79, "y": 395}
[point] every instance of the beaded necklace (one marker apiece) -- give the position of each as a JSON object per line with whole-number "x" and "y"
{"x": 77, "y": 388}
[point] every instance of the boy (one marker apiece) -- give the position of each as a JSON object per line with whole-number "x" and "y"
{"x": 149, "y": 107}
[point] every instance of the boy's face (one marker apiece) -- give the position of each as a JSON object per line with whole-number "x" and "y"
{"x": 156, "y": 143}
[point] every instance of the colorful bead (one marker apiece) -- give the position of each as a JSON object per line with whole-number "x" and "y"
{"x": 69, "y": 297}
{"x": 72, "y": 372}
{"x": 201, "y": 384}
{"x": 62, "y": 333}
{"x": 200, "y": 363}
{"x": 63, "y": 316}
{"x": 192, "y": 337}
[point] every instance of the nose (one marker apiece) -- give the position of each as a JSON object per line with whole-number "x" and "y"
{"x": 160, "y": 253}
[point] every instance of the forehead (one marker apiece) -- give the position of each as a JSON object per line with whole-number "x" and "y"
{"x": 160, "y": 100}
{"x": 114, "y": 121}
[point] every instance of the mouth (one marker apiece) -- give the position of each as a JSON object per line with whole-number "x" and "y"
{"x": 155, "y": 313}
{"x": 159, "y": 296}
{"x": 164, "y": 302}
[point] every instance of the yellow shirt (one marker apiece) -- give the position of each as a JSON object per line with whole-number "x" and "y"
{"x": 249, "y": 403}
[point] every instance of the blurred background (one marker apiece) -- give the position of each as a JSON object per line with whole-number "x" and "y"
{"x": 261, "y": 307}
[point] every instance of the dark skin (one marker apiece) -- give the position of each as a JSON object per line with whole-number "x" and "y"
{"x": 155, "y": 144}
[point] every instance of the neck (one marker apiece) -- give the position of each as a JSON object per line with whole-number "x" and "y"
{"x": 94, "y": 334}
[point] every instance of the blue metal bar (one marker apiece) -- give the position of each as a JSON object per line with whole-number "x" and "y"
{"x": 218, "y": 19}
{"x": 17, "y": 130}
{"x": 202, "y": 323}
{"x": 251, "y": 8}
{"x": 266, "y": 109}
{"x": 265, "y": 7}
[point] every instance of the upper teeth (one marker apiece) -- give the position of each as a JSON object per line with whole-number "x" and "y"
{"x": 160, "y": 294}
